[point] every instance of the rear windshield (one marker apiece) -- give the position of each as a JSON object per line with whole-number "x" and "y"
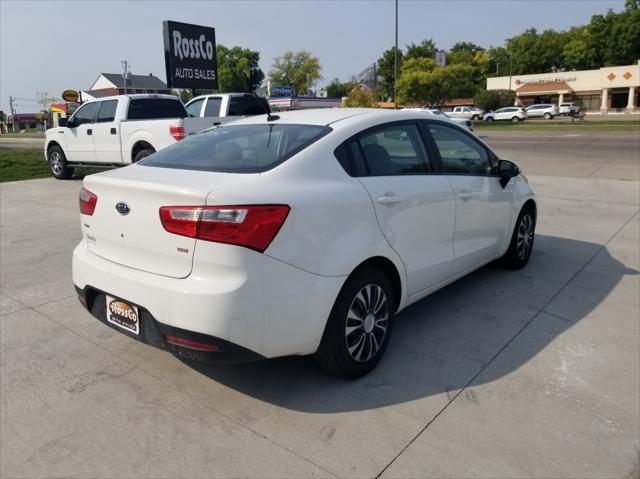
{"x": 247, "y": 105}
{"x": 155, "y": 109}
{"x": 238, "y": 148}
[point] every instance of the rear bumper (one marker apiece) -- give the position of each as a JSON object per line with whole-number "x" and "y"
{"x": 247, "y": 300}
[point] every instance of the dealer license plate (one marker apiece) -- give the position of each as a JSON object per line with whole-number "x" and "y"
{"x": 123, "y": 315}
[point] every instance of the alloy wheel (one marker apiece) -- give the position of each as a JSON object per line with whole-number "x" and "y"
{"x": 367, "y": 322}
{"x": 55, "y": 160}
{"x": 525, "y": 237}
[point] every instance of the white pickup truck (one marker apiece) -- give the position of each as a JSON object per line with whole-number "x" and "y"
{"x": 217, "y": 108}
{"x": 469, "y": 112}
{"x": 116, "y": 131}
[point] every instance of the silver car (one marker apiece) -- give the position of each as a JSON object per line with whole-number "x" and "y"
{"x": 510, "y": 113}
{"x": 544, "y": 110}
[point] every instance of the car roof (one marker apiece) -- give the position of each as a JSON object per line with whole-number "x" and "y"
{"x": 220, "y": 95}
{"x": 333, "y": 116}
{"x": 135, "y": 96}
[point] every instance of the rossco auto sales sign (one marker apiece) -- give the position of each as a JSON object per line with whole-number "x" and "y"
{"x": 190, "y": 55}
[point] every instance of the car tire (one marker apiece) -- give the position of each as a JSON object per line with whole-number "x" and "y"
{"x": 515, "y": 119}
{"x": 359, "y": 326}
{"x": 475, "y": 118}
{"x": 522, "y": 239}
{"x": 57, "y": 162}
{"x": 548, "y": 116}
{"x": 489, "y": 119}
{"x": 143, "y": 154}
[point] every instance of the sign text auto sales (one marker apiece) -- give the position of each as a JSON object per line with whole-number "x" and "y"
{"x": 190, "y": 56}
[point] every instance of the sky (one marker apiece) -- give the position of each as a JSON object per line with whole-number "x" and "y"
{"x": 57, "y": 45}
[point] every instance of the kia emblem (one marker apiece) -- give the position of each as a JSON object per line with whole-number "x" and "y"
{"x": 123, "y": 208}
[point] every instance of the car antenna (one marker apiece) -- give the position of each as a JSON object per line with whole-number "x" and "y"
{"x": 271, "y": 117}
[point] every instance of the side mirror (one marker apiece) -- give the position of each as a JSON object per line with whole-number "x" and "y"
{"x": 63, "y": 122}
{"x": 507, "y": 170}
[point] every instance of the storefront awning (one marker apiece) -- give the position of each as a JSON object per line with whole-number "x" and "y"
{"x": 544, "y": 88}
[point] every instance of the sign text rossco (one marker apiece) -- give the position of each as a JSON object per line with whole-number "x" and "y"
{"x": 190, "y": 56}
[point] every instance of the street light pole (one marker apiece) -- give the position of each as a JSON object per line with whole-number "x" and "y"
{"x": 395, "y": 68}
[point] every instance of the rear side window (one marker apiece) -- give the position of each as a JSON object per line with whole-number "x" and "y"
{"x": 107, "y": 112}
{"x": 213, "y": 106}
{"x": 247, "y": 105}
{"x": 238, "y": 148}
{"x": 155, "y": 109}
{"x": 389, "y": 151}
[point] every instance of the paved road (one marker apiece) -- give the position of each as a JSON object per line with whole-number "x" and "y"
{"x": 503, "y": 374}
{"x": 11, "y": 142}
{"x": 584, "y": 155}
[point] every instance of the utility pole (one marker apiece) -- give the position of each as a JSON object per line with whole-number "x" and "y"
{"x": 395, "y": 68}
{"x": 125, "y": 74}
{"x": 13, "y": 114}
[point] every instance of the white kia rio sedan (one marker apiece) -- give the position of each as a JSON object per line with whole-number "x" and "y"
{"x": 303, "y": 233}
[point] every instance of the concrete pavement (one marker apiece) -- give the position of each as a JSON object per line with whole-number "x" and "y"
{"x": 513, "y": 374}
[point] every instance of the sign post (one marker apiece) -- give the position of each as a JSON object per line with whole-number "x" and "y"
{"x": 190, "y": 56}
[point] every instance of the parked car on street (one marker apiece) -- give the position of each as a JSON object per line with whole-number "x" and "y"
{"x": 568, "y": 108}
{"x": 217, "y": 108}
{"x": 468, "y": 124}
{"x": 543, "y": 110}
{"x": 469, "y": 112}
{"x": 204, "y": 247}
{"x": 116, "y": 131}
{"x": 510, "y": 113}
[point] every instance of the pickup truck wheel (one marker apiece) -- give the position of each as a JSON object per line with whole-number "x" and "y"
{"x": 57, "y": 162}
{"x": 475, "y": 118}
{"x": 143, "y": 154}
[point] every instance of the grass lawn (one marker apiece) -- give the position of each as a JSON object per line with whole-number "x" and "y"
{"x": 29, "y": 164}
{"x": 22, "y": 164}
{"x": 560, "y": 125}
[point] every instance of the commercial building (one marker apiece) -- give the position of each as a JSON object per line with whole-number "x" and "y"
{"x": 606, "y": 90}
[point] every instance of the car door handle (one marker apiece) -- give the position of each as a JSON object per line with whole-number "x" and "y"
{"x": 465, "y": 195}
{"x": 113, "y": 131}
{"x": 89, "y": 131}
{"x": 390, "y": 200}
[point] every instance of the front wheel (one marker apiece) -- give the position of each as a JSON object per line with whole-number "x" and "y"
{"x": 548, "y": 116}
{"x": 57, "y": 162}
{"x": 519, "y": 252}
{"x": 359, "y": 326}
{"x": 489, "y": 119}
{"x": 515, "y": 119}
{"x": 474, "y": 118}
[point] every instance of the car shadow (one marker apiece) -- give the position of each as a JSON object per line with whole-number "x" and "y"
{"x": 442, "y": 342}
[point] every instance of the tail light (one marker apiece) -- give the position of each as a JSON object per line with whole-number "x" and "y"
{"x": 251, "y": 226}
{"x": 177, "y": 132}
{"x": 185, "y": 343}
{"x": 88, "y": 202}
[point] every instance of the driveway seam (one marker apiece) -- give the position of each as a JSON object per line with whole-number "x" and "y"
{"x": 163, "y": 381}
{"x": 493, "y": 358}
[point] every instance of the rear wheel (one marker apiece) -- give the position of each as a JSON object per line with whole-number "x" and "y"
{"x": 475, "y": 118}
{"x": 519, "y": 252}
{"x": 548, "y": 116}
{"x": 58, "y": 166}
{"x": 143, "y": 154}
{"x": 515, "y": 119}
{"x": 489, "y": 119}
{"x": 359, "y": 326}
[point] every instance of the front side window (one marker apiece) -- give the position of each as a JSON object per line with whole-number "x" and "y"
{"x": 392, "y": 150}
{"x": 107, "y": 112}
{"x": 85, "y": 114}
{"x": 238, "y": 148}
{"x": 461, "y": 154}
{"x": 194, "y": 108}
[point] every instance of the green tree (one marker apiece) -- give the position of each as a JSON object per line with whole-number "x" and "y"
{"x": 238, "y": 69}
{"x": 424, "y": 49}
{"x": 298, "y": 70}
{"x": 337, "y": 89}
{"x": 433, "y": 88}
{"x": 464, "y": 52}
{"x": 385, "y": 66}
{"x": 494, "y": 99}
{"x": 360, "y": 98}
